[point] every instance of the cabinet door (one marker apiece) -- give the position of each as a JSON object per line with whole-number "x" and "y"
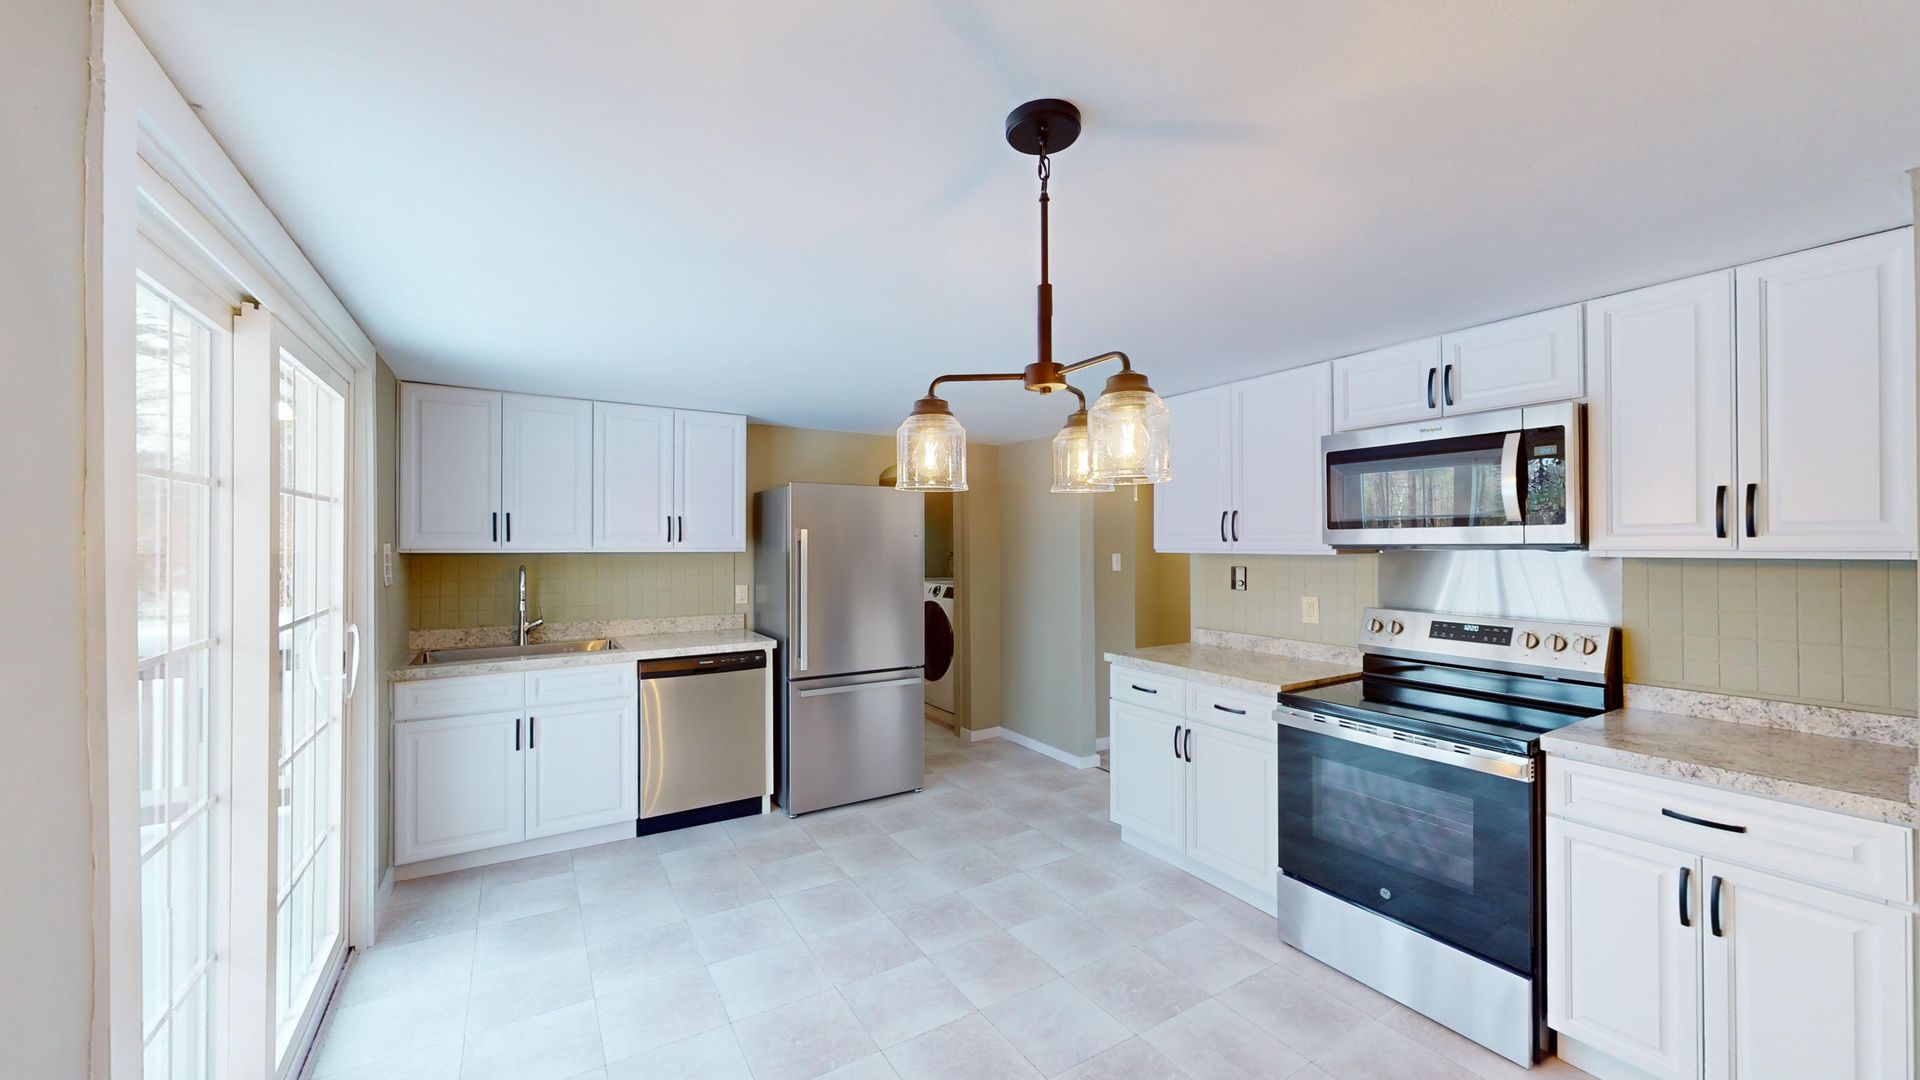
{"x": 583, "y": 766}
{"x": 1279, "y": 500}
{"x": 457, "y": 785}
{"x": 1660, "y": 417}
{"x": 1825, "y": 373}
{"x": 1149, "y": 789}
{"x": 710, "y": 489}
{"x": 1387, "y": 386}
{"x": 546, "y": 479}
{"x": 1233, "y": 804}
{"x": 1525, "y": 361}
{"x": 1191, "y": 510}
{"x": 1803, "y": 982}
{"x": 632, "y": 477}
{"x": 1623, "y": 947}
{"x": 449, "y": 468}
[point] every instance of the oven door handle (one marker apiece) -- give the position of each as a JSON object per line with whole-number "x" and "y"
{"x": 1459, "y": 755}
{"x": 1510, "y": 477}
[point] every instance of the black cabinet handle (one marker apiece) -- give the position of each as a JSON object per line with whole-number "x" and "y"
{"x": 1720, "y": 512}
{"x": 1236, "y": 712}
{"x": 1189, "y": 754}
{"x": 1691, "y": 820}
{"x": 509, "y": 526}
{"x": 516, "y": 734}
{"x": 1686, "y": 877}
{"x": 1446, "y": 385}
{"x": 1176, "y": 740}
{"x": 496, "y": 526}
{"x": 682, "y": 522}
{"x": 1223, "y": 526}
{"x": 1713, "y": 907}
{"x": 1431, "y": 372}
{"x": 1143, "y": 689}
{"x": 531, "y": 721}
{"x": 1753, "y": 492}
{"x": 1236, "y": 526}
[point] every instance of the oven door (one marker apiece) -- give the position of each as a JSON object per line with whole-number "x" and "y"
{"x": 1499, "y": 479}
{"x": 1437, "y": 837}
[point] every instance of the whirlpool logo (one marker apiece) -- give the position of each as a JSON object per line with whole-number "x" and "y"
{"x": 1386, "y": 894}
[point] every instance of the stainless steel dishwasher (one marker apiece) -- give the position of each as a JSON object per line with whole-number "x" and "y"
{"x": 703, "y": 739}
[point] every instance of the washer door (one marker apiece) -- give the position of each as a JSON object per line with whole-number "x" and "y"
{"x": 939, "y": 641}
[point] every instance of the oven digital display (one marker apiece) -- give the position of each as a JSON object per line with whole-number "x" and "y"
{"x": 1471, "y": 631}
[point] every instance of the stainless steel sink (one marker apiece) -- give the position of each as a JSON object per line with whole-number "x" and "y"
{"x": 513, "y": 652}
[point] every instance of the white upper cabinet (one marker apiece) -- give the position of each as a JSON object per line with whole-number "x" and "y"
{"x": 1246, "y": 471}
{"x": 546, "y": 474}
{"x": 1660, "y": 420}
{"x": 1278, "y": 481}
{"x": 1825, "y": 369}
{"x": 710, "y": 481}
{"x": 449, "y": 468}
{"x": 1387, "y": 386}
{"x": 633, "y": 477}
{"x": 484, "y": 471}
{"x": 1522, "y": 361}
{"x": 1190, "y": 511}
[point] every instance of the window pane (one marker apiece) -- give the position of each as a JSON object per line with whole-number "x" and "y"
{"x": 152, "y": 378}
{"x": 154, "y": 924}
{"x": 151, "y": 604}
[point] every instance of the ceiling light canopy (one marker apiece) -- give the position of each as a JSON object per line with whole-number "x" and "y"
{"x": 1122, "y": 439}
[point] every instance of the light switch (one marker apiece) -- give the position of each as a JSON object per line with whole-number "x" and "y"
{"x": 1116, "y": 562}
{"x": 386, "y": 564}
{"x": 1309, "y": 609}
{"x": 742, "y": 594}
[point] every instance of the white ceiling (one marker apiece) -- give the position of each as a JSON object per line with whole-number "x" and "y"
{"x": 804, "y": 210}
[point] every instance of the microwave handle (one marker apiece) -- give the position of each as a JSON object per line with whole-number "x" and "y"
{"x": 1510, "y": 476}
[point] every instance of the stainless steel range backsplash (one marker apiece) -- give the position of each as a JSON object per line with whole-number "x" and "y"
{"x": 1553, "y": 586}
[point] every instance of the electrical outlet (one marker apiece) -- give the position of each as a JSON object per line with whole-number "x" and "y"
{"x": 742, "y": 595}
{"x": 1116, "y": 562}
{"x": 386, "y": 564}
{"x": 1309, "y": 609}
{"x": 1237, "y": 578}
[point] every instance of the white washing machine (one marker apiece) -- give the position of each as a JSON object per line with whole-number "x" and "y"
{"x": 940, "y": 642}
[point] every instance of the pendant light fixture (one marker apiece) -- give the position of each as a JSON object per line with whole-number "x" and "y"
{"x": 1122, "y": 439}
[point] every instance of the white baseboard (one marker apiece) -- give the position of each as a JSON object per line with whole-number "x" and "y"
{"x": 1102, "y": 743}
{"x": 979, "y": 734}
{"x": 1049, "y": 750}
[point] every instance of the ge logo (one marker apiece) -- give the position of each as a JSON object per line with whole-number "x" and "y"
{"x": 1386, "y": 894}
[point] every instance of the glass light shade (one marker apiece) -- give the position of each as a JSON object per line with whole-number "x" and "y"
{"x": 1128, "y": 433}
{"x": 931, "y": 453}
{"x": 1073, "y": 459}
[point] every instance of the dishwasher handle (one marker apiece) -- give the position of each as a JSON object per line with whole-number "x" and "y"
{"x": 718, "y": 663}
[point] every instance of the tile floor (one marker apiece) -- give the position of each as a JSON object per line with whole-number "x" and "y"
{"x": 992, "y": 926}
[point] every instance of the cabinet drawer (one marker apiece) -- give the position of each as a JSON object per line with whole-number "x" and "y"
{"x": 1870, "y": 858}
{"x": 570, "y": 686}
{"x": 460, "y": 696}
{"x": 1161, "y": 693}
{"x": 1232, "y": 710}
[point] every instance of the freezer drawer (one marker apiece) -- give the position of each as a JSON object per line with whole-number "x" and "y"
{"x": 852, "y": 738}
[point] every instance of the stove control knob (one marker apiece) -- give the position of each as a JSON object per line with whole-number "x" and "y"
{"x": 1588, "y": 646}
{"x": 1529, "y": 640}
{"x": 1396, "y": 627}
{"x": 1374, "y": 626}
{"x": 1556, "y": 643}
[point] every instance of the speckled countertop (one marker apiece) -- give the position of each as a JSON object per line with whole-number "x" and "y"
{"x": 1853, "y": 776}
{"x": 1236, "y": 669}
{"x": 627, "y": 650}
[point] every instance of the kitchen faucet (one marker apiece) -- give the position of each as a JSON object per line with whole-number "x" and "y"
{"x": 520, "y": 637}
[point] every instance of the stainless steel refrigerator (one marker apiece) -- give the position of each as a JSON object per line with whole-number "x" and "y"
{"x": 837, "y": 578}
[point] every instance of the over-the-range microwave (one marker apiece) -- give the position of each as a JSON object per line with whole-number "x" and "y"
{"x": 1509, "y": 478}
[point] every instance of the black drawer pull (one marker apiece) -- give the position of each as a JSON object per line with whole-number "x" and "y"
{"x": 1720, "y": 512}
{"x": 1189, "y": 744}
{"x": 1753, "y": 492}
{"x": 1713, "y": 907}
{"x": 1236, "y": 712}
{"x": 1686, "y": 875}
{"x": 1142, "y": 689}
{"x": 1689, "y": 819}
{"x": 1431, "y": 372}
{"x": 1176, "y": 740}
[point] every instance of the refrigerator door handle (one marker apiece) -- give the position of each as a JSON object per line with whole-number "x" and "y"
{"x": 800, "y": 628}
{"x": 825, "y": 690}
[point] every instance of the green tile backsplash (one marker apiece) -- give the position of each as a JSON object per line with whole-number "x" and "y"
{"x": 1827, "y": 633}
{"x": 1270, "y": 606}
{"x": 458, "y": 591}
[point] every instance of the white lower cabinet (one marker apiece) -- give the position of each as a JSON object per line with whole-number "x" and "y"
{"x": 1679, "y": 964}
{"x": 583, "y": 766}
{"x": 466, "y": 781}
{"x": 1195, "y": 778}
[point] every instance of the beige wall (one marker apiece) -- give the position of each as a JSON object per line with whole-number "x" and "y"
{"x": 978, "y": 539}
{"x": 1116, "y": 593}
{"x": 46, "y": 906}
{"x": 939, "y": 533}
{"x": 1163, "y": 615}
{"x": 1047, "y": 603}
